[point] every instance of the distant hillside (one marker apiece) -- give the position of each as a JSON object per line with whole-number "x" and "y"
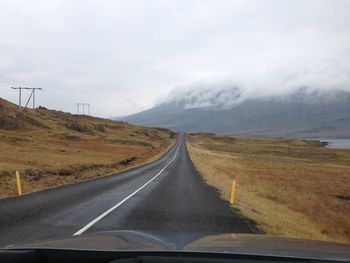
{"x": 52, "y": 148}
{"x": 303, "y": 113}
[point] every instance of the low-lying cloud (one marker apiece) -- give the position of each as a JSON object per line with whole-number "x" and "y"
{"x": 316, "y": 82}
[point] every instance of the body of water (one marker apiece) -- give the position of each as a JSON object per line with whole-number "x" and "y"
{"x": 336, "y": 143}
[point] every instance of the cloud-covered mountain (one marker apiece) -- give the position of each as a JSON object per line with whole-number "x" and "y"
{"x": 303, "y": 112}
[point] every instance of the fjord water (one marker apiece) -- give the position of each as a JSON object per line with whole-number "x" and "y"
{"x": 336, "y": 143}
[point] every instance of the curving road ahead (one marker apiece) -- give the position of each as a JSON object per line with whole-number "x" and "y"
{"x": 167, "y": 195}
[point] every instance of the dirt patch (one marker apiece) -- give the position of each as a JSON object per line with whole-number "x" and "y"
{"x": 128, "y": 161}
{"x": 33, "y": 175}
{"x": 343, "y": 197}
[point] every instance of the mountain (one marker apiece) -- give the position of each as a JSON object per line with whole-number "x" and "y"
{"x": 302, "y": 113}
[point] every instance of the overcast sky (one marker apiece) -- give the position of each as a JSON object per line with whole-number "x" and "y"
{"x": 124, "y": 56}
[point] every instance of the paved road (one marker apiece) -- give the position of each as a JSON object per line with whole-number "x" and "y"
{"x": 167, "y": 195}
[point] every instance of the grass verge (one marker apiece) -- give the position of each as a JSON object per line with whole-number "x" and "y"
{"x": 290, "y": 188}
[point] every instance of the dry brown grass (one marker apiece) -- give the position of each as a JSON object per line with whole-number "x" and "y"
{"x": 290, "y": 188}
{"x": 55, "y": 148}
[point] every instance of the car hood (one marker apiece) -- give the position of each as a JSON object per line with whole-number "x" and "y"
{"x": 247, "y": 244}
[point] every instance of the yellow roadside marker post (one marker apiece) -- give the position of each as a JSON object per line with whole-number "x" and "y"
{"x": 19, "y": 187}
{"x": 233, "y": 192}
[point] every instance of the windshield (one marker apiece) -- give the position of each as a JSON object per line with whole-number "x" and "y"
{"x": 193, "y": 122}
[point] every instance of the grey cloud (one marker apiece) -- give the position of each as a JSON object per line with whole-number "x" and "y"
{"x": 122, "y": 56}
{"x": 227, "y": 92}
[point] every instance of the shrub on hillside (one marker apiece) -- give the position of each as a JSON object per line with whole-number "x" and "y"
{"x": 100, "y": 127}
{"x": 75, "y": 126}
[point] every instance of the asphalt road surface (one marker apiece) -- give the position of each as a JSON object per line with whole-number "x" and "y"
{"x": 167, "y": 195}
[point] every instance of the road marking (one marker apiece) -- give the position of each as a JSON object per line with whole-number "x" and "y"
{"x": 82, "y": 230}
{"x": 19, "y": 186}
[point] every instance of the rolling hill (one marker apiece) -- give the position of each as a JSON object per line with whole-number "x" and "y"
{"x": 53, "y": 148}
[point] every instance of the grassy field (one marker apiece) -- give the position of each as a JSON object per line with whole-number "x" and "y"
{"x": 54, "y": 148}
{"x": 291, "y": 188}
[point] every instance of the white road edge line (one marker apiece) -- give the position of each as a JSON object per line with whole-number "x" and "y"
{"x": 82, "y": 230}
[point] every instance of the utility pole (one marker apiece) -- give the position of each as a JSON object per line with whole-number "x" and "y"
{"x": 83, "y": 105}
{"x": 33, "y": 100}
{"x": 19, "y": 96}
{"x": 88, "y": 107}
{"x": 32, "y": 94}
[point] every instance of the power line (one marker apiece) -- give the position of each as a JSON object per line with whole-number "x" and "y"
{"x": 15, "y": 81}
{"x": 10, "y": 81}
{"x": 59, "y": 99}
{"x": 83, "y": 105}
{"x": 31, "y": 96}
